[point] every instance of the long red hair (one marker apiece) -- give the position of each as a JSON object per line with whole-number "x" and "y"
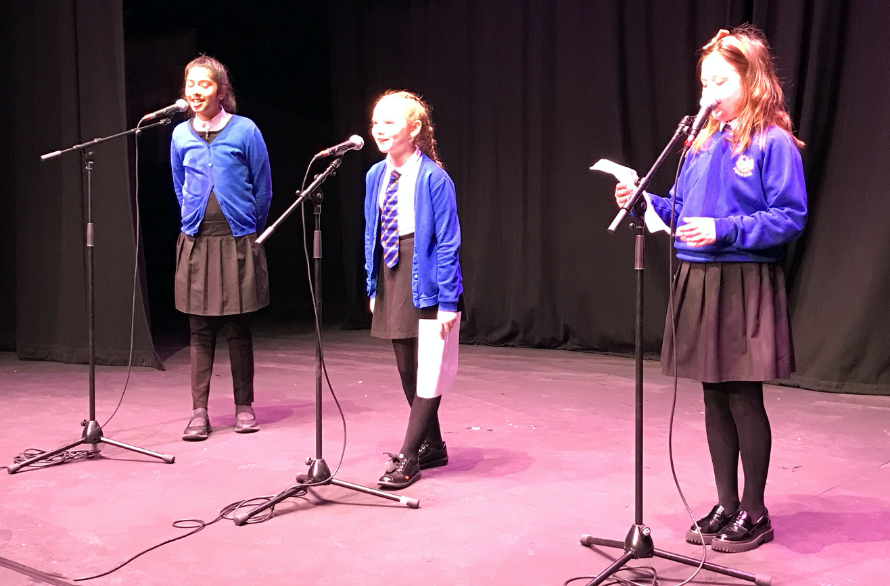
{"x": 417, "y": 109}
{"x": 747, "y": 50}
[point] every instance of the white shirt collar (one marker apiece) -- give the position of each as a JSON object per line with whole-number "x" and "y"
{"x": 216, "y": 123}
{"x": 411, "y": 165}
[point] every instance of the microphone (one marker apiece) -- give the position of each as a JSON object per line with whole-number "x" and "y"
{"x": 707, "y": 106}
{"x": 354, "y": 143}
{"x": 180, "y": 106}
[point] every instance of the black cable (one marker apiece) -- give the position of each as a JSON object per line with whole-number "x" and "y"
{"x": 197, "y": 525}
{"x": 704, "y": 546}
{"x": 55, "y": 460}
{"x": 73, "y": 455}
{"x": 318, "y": 336}
{"x": 615, "y": 579}
{"x": 135, "y": 277}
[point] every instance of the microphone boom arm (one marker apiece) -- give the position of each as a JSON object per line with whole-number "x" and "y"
{"x": 682, "y": 128}
{"x": 301, "y": 197}
{"x": 96, "y": 141}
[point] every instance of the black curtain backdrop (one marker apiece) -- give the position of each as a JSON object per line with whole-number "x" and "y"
{"x": 527, "y": 95}
{"x": 67, "y": 71}
{"x": 7, "y": 183}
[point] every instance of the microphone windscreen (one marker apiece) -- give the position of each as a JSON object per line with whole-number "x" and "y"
{"x": 359, "y": 141}
{"x": 709, "y": 102}
{"x": 182, "y": 105}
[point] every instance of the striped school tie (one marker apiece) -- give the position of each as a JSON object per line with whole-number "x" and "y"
{"x": 389, "y": 232}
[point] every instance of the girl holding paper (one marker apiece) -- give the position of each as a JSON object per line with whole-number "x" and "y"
{"x": 412, "y": 239}
{"x": 740, "y": 198}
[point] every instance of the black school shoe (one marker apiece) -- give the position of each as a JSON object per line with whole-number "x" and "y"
{"x": 401, "y": 472}
{"x": 710, "y": 525}
{"x": 743, "y": 533}
{"x": 197, "y": 429}
{"x": 430, "y": 456}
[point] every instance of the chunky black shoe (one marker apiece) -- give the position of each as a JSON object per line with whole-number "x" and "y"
{"x": 245, "y": 422}
{"x": 197, "y": 430}
{"x": 743, "y": 533}
{"x": 430, "y": 456}
{"x": 710, "y": 525}
{"x": 401, "y": 472}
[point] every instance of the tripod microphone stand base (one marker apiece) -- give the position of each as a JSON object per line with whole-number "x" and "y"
{"x": 638, "y": 545}
{"x": 92, "y": 434}
{"x": 320, "y": 475}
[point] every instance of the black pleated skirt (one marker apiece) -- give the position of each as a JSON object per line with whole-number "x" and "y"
{"x": 395, "y": 316}
{"x": 220, "y": 275}
{"x": 732, "y": 323}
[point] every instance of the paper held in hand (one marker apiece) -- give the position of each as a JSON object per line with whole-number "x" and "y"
{"x": 629, "y": 176}
{"x": 436, "y": 358}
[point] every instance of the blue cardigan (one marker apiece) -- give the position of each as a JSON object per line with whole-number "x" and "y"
{"x": 235, "y": 166}
{"x": 758, "y": 199}
{"x": 435, "y": 267}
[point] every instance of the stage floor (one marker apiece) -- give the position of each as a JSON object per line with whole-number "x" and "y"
{"x": 541, "y": 447}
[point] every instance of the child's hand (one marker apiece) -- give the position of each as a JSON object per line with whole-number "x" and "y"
{"x": 373, "y": 299}
{"x": 623, "y": 191}
{"x": 446, "y": 321}
{"x": 698, "y": 232}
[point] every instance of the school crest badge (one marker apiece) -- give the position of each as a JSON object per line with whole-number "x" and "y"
{"x": 744, "y": 166}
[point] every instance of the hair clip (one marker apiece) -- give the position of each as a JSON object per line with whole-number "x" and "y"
{"x": 720, "y": 34}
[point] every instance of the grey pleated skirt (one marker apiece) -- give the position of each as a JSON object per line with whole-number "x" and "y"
{"x": 395, "y": 316}
{"x": 220, "y": 275}
{"x": 732, "y": 323}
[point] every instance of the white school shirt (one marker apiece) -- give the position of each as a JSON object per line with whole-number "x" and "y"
{"x": 218, "y": 122}
{"x": 405, "y": 192}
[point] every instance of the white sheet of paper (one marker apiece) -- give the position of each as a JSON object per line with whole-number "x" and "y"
{"x": 629, "y": 176}
{"x": 436, "y": 358}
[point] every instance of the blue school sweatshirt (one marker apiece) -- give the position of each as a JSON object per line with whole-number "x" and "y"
{"x": 758, "y": 198}
{"x": 435, "y": 266}
{"x": 235, "y": 166}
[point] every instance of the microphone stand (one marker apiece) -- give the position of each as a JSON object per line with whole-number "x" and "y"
{"x": 638, "y": 544}
{"x": 319, "y": 473}
{"x": 92, "y": 432}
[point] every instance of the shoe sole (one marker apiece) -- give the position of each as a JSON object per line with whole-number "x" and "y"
{"x": 247, "y": 429}
{"x": 434, "y": 463}
{"x": 693, "y": 538}
{"x": 398, "y": 486}
{"x": 197, "y": 438}
{"x": 740, "y": 546}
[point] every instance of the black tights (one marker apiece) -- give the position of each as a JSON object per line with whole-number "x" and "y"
{"x": 204, "y": 330}
{"x": 737, "y": 424}
{"x": 423, "y": 423}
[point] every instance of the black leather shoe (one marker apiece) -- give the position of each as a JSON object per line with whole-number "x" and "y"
{"x": 743, "y": 533}
{"x": 710, "y": 525}
{"x": 401, "y": 472}
{"x": 245, "y": 422}
{"x": 430, "y": 456}
{"x": 197, "y": 430}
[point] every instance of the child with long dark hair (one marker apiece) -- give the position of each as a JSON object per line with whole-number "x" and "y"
{"x": 412, "y": 238}
{"x": 222, "y": 181}
{"x": 740, "y": 198}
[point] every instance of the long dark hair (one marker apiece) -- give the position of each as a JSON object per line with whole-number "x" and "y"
{"x": 220, "y": 75}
